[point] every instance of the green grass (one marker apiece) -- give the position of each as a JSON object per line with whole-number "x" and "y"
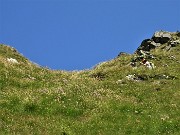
{"x": 36, "y": 100}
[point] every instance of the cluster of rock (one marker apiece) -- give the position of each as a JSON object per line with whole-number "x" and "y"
{"x": 164, "y": 40}
{"x": 143, "y": 55}
{"x": 143, "y": 58}
{"x": 159, "y": 38}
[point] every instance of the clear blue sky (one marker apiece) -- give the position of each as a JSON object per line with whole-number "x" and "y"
{"x": 78, "y": 34}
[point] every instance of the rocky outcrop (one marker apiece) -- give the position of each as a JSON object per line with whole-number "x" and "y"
{"x": 147, "y": 45}
{"x": 174, "y": 43}
{"x": 159, "y": 38}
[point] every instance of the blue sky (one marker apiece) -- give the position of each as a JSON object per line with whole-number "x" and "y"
{"x": 78, "y": 34}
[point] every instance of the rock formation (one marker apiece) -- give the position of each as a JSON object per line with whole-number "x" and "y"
{"x": 158, "y": 39}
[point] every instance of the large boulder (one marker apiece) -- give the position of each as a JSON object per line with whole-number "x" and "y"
{"x": 161, "y": 37}
{"x": 157, "y": 40}
{"x": 147, "y": 45}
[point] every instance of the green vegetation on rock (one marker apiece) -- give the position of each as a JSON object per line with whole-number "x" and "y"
{"x": 114, "y": 98}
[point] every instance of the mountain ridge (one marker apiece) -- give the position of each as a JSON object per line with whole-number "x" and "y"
{"x": 130, "y": 94}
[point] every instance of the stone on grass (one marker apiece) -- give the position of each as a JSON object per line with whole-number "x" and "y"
{"x": 122, "y": 54}
{"x": 12, "y": 60}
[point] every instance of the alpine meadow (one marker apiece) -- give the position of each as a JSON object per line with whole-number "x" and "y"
{"x": 136, "y": 94}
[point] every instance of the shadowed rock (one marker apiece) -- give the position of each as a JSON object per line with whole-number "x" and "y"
{"x": 147, "y": 45}
{"x": 161, "y": 37}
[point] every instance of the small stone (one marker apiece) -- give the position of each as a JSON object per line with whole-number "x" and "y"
{"x": 11, "y": 60}
{"x": 122, "y": 54}
{"x": 130, "y": 77}
{"x": 136, "y": 112}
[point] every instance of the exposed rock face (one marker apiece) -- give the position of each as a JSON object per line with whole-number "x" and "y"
{"x": 165, "y": 40}
{"x": 147, "y": 45}
{"x": 174, "y": 43}
{"x": 161, "y": 37}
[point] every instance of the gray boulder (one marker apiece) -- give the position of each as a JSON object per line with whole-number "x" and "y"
{"x": 174, "y": 43}
{"x": 161, "y": 37}
{"x": 147, "y": 45}
{"x": 157, "y": 40}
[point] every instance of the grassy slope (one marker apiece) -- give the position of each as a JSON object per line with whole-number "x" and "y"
{"x": 36, "y": 100}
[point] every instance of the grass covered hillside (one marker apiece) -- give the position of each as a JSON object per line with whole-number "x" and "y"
{"x": 131, "y": 94}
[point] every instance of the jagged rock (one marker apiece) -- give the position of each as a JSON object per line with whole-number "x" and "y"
{"x": 155, "y": 44}
{"x": 161, "y": 37}
{"x": 174, "y": 43}
{"x": 145, "y": 54}
{"x": 147, "y": 45}
{"x": 171, "y": 44}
